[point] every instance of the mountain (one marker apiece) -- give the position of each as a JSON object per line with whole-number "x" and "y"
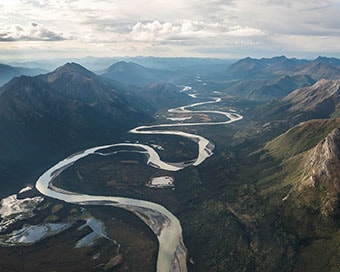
{"x": 265, "y": 67}
{"x": 46, "y": 117}
{"x": 319, "y": 70}
{"x": 330, "y": 61}
{"x": 314, "y": 149}
{"x": 320, "y": 100}
{"x": 280, "y": 87}
{"x": 268, "y": 68}
{"x": 271, "y": 78}
{"x": 163, "y": 96}
{"x": 134, "y": 74}
{"x": 301, "y": 138}
{"x": 324, "y": 175}
{"x": 76, "y": 82}
{"x": 286, "y": 201}
{"x": 7, "y": 72}
{"x": 304, "y": 189}
{"x": 309, "y": 154}
{"x": 266, "y": 90}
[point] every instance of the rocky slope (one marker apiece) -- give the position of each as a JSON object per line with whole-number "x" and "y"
{"x": 314, "y": 148}
{"x": 323, "y": 173}
{"x": 321, "y": 98}
{"x": 319, "y": 101}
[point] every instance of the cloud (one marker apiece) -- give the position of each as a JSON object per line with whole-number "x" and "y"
{"x": 172, "y": 26}
{"x": 30, "y": 32}
{"x": 188, "y": 29}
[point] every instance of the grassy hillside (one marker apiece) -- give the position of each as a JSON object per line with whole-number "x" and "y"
{"x": 301, "y": 138}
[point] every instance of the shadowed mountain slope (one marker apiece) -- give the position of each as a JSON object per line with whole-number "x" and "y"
{"x": 46, "y": 117}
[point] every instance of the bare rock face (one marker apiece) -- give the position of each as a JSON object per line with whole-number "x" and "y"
{"x": 323, "y": 168}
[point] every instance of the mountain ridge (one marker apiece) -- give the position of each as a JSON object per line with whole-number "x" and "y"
{"x": 322, "y": 98}
{"x": 7, "y": 72}
{"x": 72, "y": 110}
{"x": 319, "y": 68}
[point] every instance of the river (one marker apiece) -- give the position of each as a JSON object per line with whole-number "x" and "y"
{"x": 172, "y": 252}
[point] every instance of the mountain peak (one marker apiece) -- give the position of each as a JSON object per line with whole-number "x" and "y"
{"x": 122, "y": 66}
{"x": 133, "y": 73}
{"x": 70, "y": 68}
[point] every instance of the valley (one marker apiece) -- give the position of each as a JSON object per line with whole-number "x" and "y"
{"x": 261, "y": 194}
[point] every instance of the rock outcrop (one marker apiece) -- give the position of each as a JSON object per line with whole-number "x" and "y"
{"x": 323, "y": 172}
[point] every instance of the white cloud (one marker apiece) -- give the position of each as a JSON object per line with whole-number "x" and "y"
{"x": 31, "y": 32}
{"x": 245, "y": 31}
{"x": 173, "y": 26}
{"x": 187, "y": 29}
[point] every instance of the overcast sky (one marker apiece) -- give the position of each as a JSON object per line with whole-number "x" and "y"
{"x": 36, "y": 29}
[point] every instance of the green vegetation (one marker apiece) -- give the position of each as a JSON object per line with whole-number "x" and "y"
{"x": 301, "y": 138}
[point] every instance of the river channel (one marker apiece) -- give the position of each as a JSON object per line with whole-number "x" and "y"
{"x": 172, "y": 252}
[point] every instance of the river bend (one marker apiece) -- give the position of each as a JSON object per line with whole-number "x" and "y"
{"x": 172, "y": 252}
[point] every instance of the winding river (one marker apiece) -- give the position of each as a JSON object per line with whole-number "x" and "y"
{"x": 167, "y": 228}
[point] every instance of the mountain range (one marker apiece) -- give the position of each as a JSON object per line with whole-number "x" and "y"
{"x": 272, "y": 78}
{"x": 321, "y": 67}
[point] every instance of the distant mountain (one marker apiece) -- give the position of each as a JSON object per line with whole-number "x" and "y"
{"x": 48, "y": 116}
{"x": 271, "y": 78}
{"x": 134, "y": 74}
{"x": 280, "y": 87}
{"x": 266, "y": 90}
{"x": 7, "y": 72}
{"x": 267, "y": 68}
{"x": 319, "y": 70}
{"x": 320, "y": 100}
{"x": 98, "y": 64}
{"x": 330, "y": 61}
{"x": 163, "y": 96}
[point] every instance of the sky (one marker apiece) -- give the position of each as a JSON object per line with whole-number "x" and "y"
{"x": 45, "y": 29}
